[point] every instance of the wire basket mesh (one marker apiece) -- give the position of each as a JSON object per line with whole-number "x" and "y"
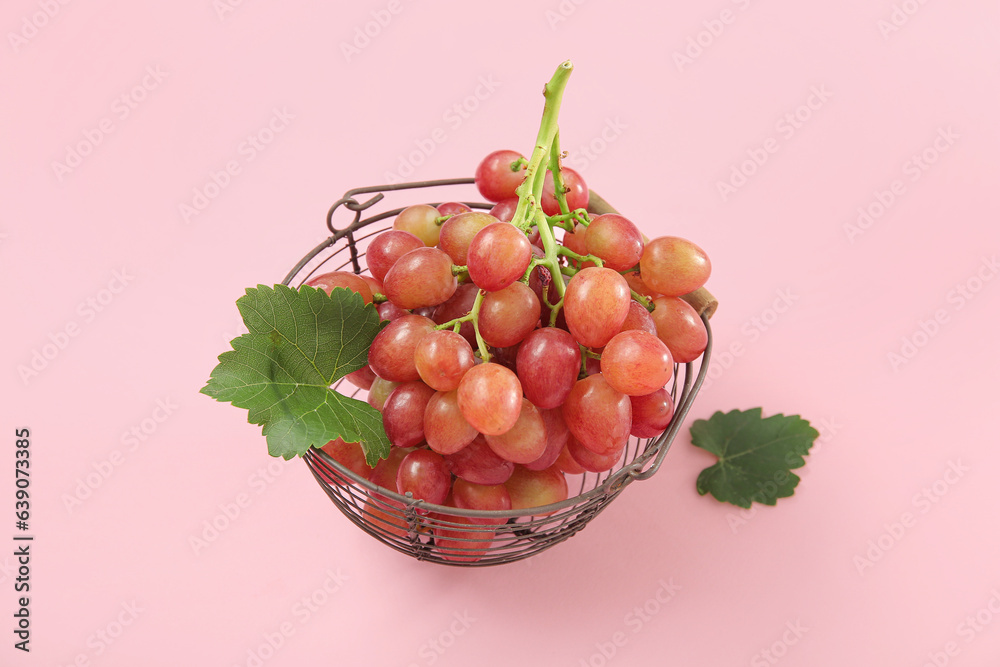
{"x": 450, "y": 535}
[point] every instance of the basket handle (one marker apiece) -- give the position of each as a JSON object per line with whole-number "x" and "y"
{"x": 701, "y": 299}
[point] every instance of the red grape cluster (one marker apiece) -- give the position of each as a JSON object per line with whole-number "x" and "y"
{"x": 513, "y": 358}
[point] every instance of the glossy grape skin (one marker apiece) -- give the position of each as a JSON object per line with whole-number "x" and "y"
{"x": 452, "y": 208}
{"x": 384, "y": 472}
{"x": 477, "y": 463}
{"x": 421, "y": 221}
{"x": 636, "y": 363}
{"x": 535, "y": 488}
{"x": 651, "y": 413}
{"x": 616, "y": 240}
{"x": 445, "y": 428}
{"x": 508, "y": 315}
{"x": 442, "y": 358}
{"x": 494, "y": 177}
{"x": 329, "y": 281}
{"x": 548, "y": 363}
{"x": 457, "y": 233}
{"x": 638, "y": 319}
{"x": 374, "y": 284}
{"x": 421, "y": 278}
{"x": 680, "y": 328}
{"x": 388, "y": 311}
{"x": 403, "y": 413}
{"x": 525, "y": 441}
{"x": 596, "y": 304}
{"x": 424, "y": 474}
{"x": 637, "y": 285}
{"x": 461, "y": 543}
{"x": 379, "y": 391}
{"x": 499, "y": 254}
{"x": 674, "y": 266}
{"x": 489, "y": 498}
{"x": 361, "y": 378}
{"x": 490, "y": 398}
{"x": 556, "y": 436}
{"x": 350, "y": 455}
{"x": 505, "y": 208}
{"x": 459, "y": 305}
{"x": 591, "y": 461}
{"x": 566, "y": 462}
{"x": 388, "y": 247}
{"x": 598, "y": 415}
{"x": 391, "y": 353}
{"x": 577, "y": 194}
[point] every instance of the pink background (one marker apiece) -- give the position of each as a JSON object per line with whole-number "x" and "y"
{"x": 790, "y": 580}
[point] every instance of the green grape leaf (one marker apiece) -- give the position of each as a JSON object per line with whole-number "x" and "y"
{"x": 756, "y": 455}
{"x": 299, "y": 343}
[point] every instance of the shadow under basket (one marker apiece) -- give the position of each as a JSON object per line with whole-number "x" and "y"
{"x": 446, "y": 535}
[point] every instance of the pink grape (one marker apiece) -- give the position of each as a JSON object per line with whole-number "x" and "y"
{"x": 362, "y": 378}
{"x": 490, "y": 498}
{"x": 490, "y": 398}
{"x": 495, "y": 178}
{"x": 424, "y": 474}
{"x": 596, "y": 304}
{"x": 421, "y": 221}
{"x": 577, "y": 195}
{"x": 616, "y": 240}
{"x": 452, "y": 208}
{"x": 420, "y": 278}
{"x": 499, "y": 254}
{"x": 508, "y": 315}
{"x": 636, "y": 363}
{"x": 566, "y": 462}
{"x": 384, "y": 472}
{"x": 548, "y": 363}
{"x": 651, "y": 413}
{"x": 374, "y": 284}
{"x": 391, "y": 353}
{"x": 457, "y": 233}
{"x": 505, "y": 208}
{"x": 638, "y": 286}
{"x": 459, "y": 305}
{"x": 556, "y": 436}
{"x": 477, "y": 463}
{"x": 461, "y": 543}
{"x": 535, "y": 488}
{"x": 598, "y": 415}
{"x": 380, "y": 391}
{"x": 442, "y": 358}
{"x": 445, "y": 429}
{"x": 403, "y": 413}
{"x": 525, "y": 441}
{"x": 674, "y": 266}
{"x": 388, "y": 311}
{"x": 680, "y": 328}
{"x": 638, "y": 318}
{"x": 328, "y": 281}
{"x": 591, "y": 461}
{"x": 351, "y": 456}
{"x": 386, "y": 248}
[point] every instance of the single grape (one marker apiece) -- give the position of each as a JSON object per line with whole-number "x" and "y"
{"x": 362, "y": 378}
{"x": 477, "y": 463}
{"x": 505, "y": 208}
{"x": 374, "y": 284}
{"x": 457, "y": 233}
{"x": 391, "y": 353}
{"x": 598, "y": 415}
{"x": 674, "y": 266}
{"x": 459, "y": 305}
{"x": 388, "y": 311}
{"x": 351, "y": 456}
{"x": 499, "y": 254}
{"x": 548, "y": 363}
{"x": 591, "y": 461}
{"x": 490, "y": 498}
{"x": 596, "y": 304}
{"x": 638, "y": 318}
{"x": 420, "y": 278}
{"x": 421, "y": 221}
{"x": 386, "y": 248}
{"x": 445, "y": 428}
{"x": 577, "y": 194}
{"x": 616, "y": 240}
{"x": 637, "y": 285}
{"x": 490, "y": 398}
{"x": 680, "y": 328}
{"x": 328, "y": 281}
{"x": 506, "y": 356}
{"x": 556, "y": 435}
{"x": 525, "y": 441}
{"x": 508, "y": 315}
{"x": 442, "y": 358}
{"x": 384, "y": 472}
{"x": 403, "y": 413}
{"x": 566, "y": 462}
{"x": 535, "y": 488}
{"x": 636, "y": 363}
{"x": 466, "y": 543}
{"x": 651, "y": 413}
{"x": 424, "y": 474}
{"x": 380, "y": 391}
{"x": 452, "y": 208}
{"x": 495, "y": 178}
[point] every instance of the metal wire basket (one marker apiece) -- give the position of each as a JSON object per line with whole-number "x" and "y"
{"x": 446, "y": 535}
